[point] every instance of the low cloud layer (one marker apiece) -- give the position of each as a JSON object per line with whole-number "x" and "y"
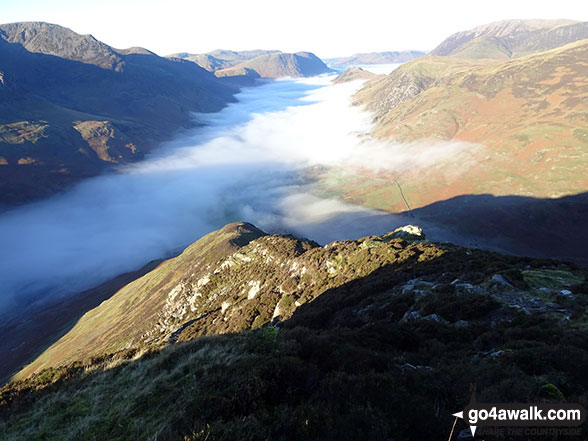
{"x": 243, "y": 165}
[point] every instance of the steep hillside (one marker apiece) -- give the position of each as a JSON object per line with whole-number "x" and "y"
{"x": 375, "y": 58}
{"x": 71, "y": 105}
{"x": 300, "y": 64}
{"x": 377, "y": 338}
{"x": 512, "y": 38}
{"x": 409, "y": 80}
{"x": 352, "y": 74}
{"x": 524, "y": 122}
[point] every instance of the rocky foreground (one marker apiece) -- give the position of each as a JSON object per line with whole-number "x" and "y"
{"x": 253, "y": 336}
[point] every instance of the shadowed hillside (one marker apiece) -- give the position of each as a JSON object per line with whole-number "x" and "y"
{"x": 71, "y": 106}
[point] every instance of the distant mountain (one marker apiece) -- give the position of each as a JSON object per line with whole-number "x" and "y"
{"x": 248, "y": 335}
{"x": 524, "y": 120}
{"x": 352, "y": 74}
{"x": 277, "y": 65}
{"x": 512, "y": 38}
{"x": 375, "y": 58}
{"x": 222, "y": 59}
{"x": 71, "y": 105}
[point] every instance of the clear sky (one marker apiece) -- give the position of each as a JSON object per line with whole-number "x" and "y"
{"x": 328, "y": 28}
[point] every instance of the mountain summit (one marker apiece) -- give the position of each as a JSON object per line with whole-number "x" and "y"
{"x": 512, "y": 38}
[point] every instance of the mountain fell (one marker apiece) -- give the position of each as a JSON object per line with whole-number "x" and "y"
{"x": 277, "y": 65}
{"x": 528, "y": 114}
{"x": 490, "y": 150}
{"x": 222, "y": 59}
{"x": 395, "y": 325}
{"x": 71, "y": 105}
{"x": 512, "y": 38}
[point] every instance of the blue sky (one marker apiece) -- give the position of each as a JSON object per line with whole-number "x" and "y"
{"x": 329, "y": 28}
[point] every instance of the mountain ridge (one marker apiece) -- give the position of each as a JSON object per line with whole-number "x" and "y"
{"x": 387, "y": 322}
{"x": 74, "y": 106}
{"x": 511, "y": 38}
{"x": 231, "y": 280}
{"x": 352, "y": 74}
{"x": 277, "y": 65}
{"x": 221, "y": 58}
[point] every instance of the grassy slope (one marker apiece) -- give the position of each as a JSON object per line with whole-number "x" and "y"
{"x": 388, "y": 337}
{"x": 134, "y": 311}
{"x": 529, "y": 114}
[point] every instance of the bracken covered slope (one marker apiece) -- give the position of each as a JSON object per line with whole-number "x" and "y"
{"x": 524, "y": 120}
{"x": 377, "y": 338}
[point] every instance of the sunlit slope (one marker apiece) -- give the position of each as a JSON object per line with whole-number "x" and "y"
{"x": 143, "y": 313}
{"x": 235, "y": 279}
{"x": 526, "y": 120}
{"x": 512, "y": 38}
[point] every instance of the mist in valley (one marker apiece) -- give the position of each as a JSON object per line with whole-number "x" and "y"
{"x": 248, "y": 162}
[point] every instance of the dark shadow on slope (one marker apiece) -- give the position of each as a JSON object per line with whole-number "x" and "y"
{"x": 517, "y": 225}
{"x": 546, "y": 228}
{"x": 345, "y": 366}
{"x": 341, "y": 306}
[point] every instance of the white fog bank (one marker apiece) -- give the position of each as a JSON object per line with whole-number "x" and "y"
{"x": 244, "y": 165}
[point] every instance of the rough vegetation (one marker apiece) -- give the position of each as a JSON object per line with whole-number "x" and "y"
{"x": 377, "y": 338}
{"x": 509, "y": 135}
{"x": 524, "y": 119}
